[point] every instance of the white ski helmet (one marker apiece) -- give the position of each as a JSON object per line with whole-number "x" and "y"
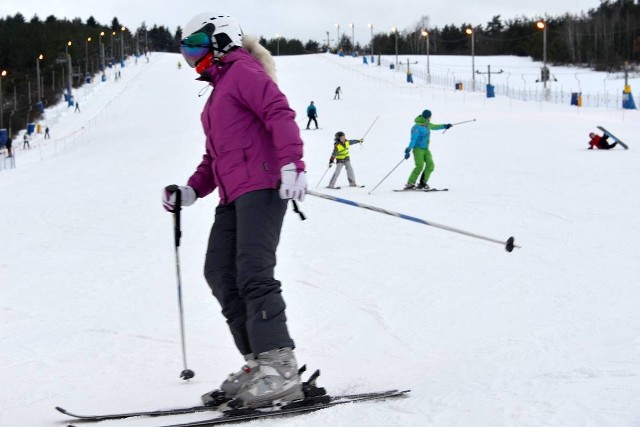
{"x": 223, "y": 32}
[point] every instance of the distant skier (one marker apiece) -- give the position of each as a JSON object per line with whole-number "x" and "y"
{"x": 9, "y": 144}
{"x": 600, "y": 142}
{"x": 420, "y": 135}
{"x": 312, "y": 114}
{"x": 337, "y": 93}
{"x": 340, "y": 155}
{"x": 25, "y": 141}
{"x": 77, "y": 110}
{"x": 47, "y": 135}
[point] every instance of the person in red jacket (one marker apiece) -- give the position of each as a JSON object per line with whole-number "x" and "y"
{"x": 600, "y": 142}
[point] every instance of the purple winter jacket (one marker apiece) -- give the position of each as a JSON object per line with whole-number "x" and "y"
{"x": 250, "y": 129}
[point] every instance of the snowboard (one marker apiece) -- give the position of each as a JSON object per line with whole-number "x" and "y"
{"x": 615, "y": 138}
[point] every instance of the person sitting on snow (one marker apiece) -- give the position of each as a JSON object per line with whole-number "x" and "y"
{"x": 600, "y": 142}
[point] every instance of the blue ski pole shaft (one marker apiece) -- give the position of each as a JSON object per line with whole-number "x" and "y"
{"x": 508, "y": 244}
{"x": 387, "y": 176}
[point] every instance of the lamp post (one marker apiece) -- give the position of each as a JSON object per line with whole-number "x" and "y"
{"x": 113, "y": 56}
{"x": 86, "y": 56}
{"x": 122, "y": 45}
{"x": 40, "y": 58}
{"x": 353, "y": 37}
{"x": 371, "y": 28}
{"x": 470, "y": 32}
{"x": 69, "y": 70}
{"x": 3, "y": 73}
{"x": 278, "y": 44}
{"x": 337, "y": 38}
{"x": 425, "y": 34}
{"x": 395, "y": 31}
{"x": 541, "y": 25}
{"x": 101, "y": 51}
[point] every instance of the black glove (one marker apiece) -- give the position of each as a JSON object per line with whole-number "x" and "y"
{"x": 448, "y": 125}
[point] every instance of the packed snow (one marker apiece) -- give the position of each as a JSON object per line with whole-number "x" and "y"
{"x": 546, "y": 335}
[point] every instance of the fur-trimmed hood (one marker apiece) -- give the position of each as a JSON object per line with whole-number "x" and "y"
{"x": 251, "y": 45}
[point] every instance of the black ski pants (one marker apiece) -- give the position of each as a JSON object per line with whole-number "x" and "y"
{"x": 239, "y": 268}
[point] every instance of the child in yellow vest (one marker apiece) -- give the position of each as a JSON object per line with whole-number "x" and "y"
{"x": 341, "y": 156}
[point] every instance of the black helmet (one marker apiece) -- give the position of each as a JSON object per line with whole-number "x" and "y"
{"x": 339, "y": 135}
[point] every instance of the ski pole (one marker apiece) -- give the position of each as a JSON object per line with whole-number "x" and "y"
{"x": 374, "y": 122}
{"x": 386, "y": 176}
{"x": 508, "y": 244}
{"x": 325, "y": 172}
{"x": 177, "y": 233}
{"x": 459, "y": 123}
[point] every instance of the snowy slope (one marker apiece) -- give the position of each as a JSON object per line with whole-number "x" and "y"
{"x": 546, "y": 335}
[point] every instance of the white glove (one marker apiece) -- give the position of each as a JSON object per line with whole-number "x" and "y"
{"x": 293, "y": 185}
{"x": 187, "y": 196}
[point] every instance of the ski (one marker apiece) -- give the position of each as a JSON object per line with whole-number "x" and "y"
{"x": 297, "y": 408}
{"x": 418, "y": 190}
{"x": 612, "y": 136}
{"x": 333, "y": 188}
{"x": 307, "y": 405}
{"x": 156, "y": 413}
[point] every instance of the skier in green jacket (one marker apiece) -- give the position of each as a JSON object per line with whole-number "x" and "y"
{"x": 420, "y": 133}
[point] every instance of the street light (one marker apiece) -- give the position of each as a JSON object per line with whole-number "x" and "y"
{"x": 86, "y": 56}
{"x": 371, "y": 28}
{"x": 425, "y": 34}
{"x": 278, "y": 44}
{"x": 338, "y": 38}
{"x": 40, "y": 58}
{"x": 353, "y": 36}
{"x": 470, "y": 32}
{"x": 395, "y": 31}
{"x": 101, "y": 51}
{"x": 69, "y": 70}
{"x": 113, "y": 56}
{"x": 3, "y": 73}
{"x": 541, "y": 25}
{"x": 122, "y": 45}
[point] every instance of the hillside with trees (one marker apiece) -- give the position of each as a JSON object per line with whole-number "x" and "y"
{"x": 604, "y": 38}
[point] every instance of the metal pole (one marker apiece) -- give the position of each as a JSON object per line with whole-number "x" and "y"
{"x": 86, "y": 56}
{"x": 353, "y": 37}
{"x": 395, "y": 30}
{"x": 69, "y": 69}
{"x": 428, "y": 69}
{"x": 38, "y": 76}
{"x": 2, "y": 74}
{"x": 508, "y": 244}
{"x": 177, "y": 233}
{"x": 544, "y": 53}
{"x": 122, "y": 45}
{"x": 473, "y": 59}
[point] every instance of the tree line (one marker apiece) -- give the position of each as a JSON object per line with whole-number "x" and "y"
{"x": 603, "y": 38}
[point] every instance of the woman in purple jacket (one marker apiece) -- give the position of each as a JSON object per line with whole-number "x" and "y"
{"x": 253, "y": 157}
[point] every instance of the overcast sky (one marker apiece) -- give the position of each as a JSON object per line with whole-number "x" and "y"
{"x": 301, "y": 19}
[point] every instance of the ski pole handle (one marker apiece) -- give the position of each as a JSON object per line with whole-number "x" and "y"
{"x": 177, "y": 233}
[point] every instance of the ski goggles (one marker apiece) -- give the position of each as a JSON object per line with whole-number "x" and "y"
{"x": 195, "y": 47}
